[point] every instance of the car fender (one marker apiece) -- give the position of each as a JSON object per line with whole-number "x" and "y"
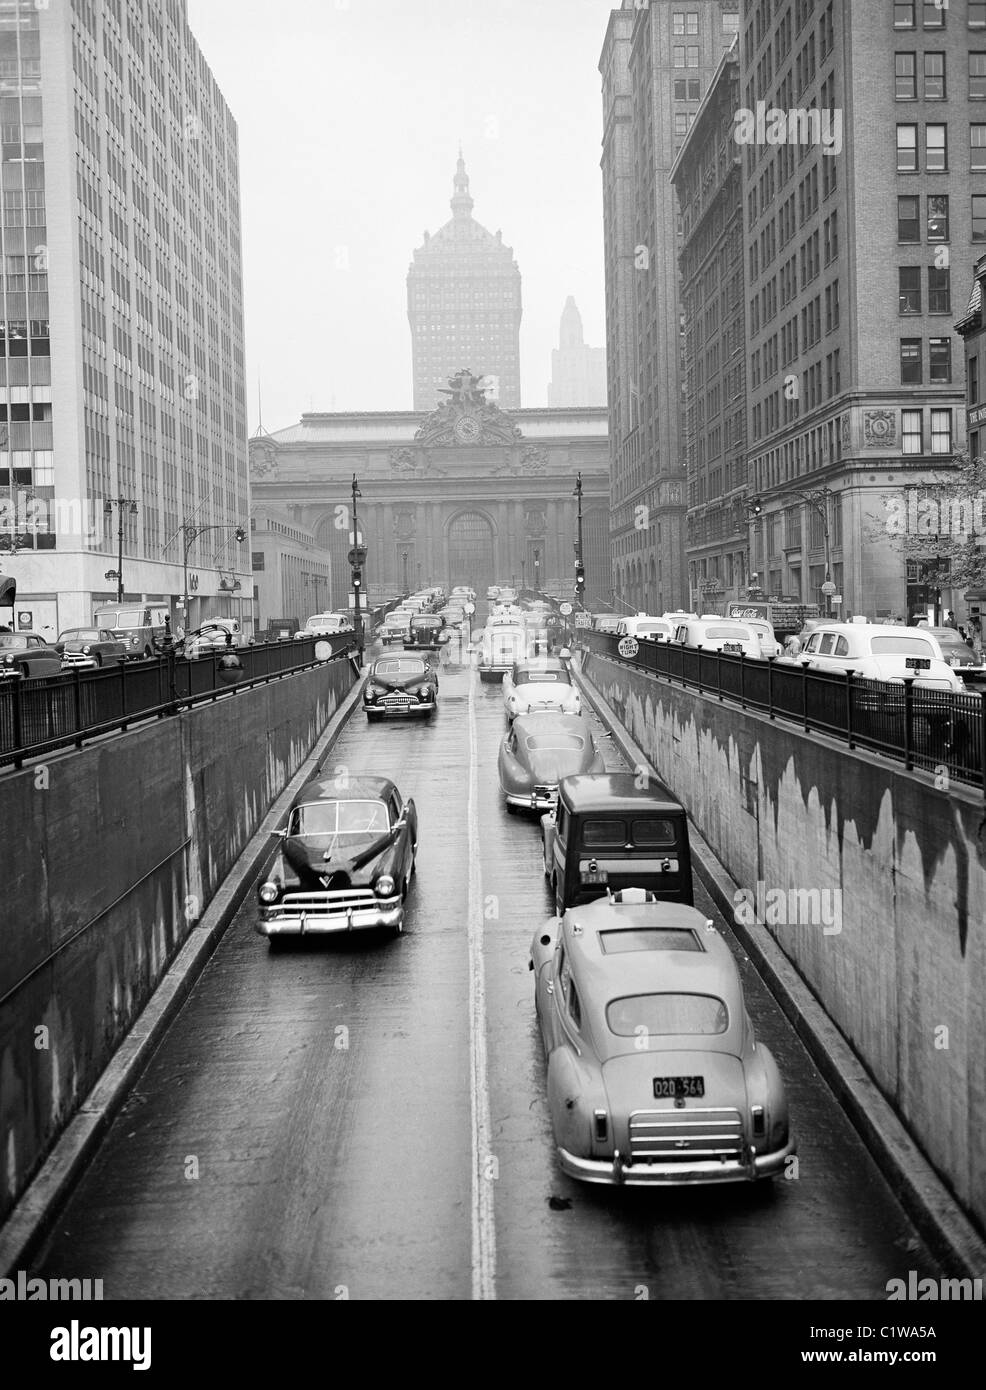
{"x": 575, "y": 1090}
{"x": 765, "y": 1086}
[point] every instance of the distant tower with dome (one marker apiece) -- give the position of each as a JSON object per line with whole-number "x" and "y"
{"x": 464, "y": 306}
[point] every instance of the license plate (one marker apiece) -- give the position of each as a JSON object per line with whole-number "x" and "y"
{"x": 594, "y": 876}
{"x": 732, "y": 647}
{"x": 917, "y": 663}
{"x": 678, "y": 1087}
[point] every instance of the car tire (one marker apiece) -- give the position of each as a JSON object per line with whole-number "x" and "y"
{"x": 148, "y": 653}
{"x": 511, "y": 808}
{"x": 372, "y": 717}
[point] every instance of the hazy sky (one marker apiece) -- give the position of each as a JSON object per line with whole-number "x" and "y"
{"x": 350, "y": 113}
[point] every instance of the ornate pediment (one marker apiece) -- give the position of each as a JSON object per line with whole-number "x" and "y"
{"x": 467, "y": 418}
{"x": 263, "y": 459}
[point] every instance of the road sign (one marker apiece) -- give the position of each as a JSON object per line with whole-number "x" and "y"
{"x": 565, "y": 609}
{"x": 836, "y": 600}
{"x": 583, "y": 620}
{"x": 629, "y": 646}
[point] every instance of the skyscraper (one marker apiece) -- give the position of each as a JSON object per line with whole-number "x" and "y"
{"x": 578, "y": 371}
{"x": 121, "y": 230}
{"x": 464, "y": 306}
{"x": 656, "y": 64}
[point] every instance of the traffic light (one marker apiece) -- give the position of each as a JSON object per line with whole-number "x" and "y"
{"x": 357, "y": 578}
{"x": 580, "y": 580}
{"x": 240, "y": 533}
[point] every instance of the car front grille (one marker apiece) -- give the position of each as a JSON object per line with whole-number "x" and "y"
{"x": 334, "y": 902}
{"x": 686, "y": 1136}
{"x": 75, "y": 659}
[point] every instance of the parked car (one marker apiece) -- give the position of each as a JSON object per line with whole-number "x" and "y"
{"x": 881, "y": 652}
{"x": 764, "y": 633}
{"x": 654, "y": 1073}
{"x": 427, "y": 633}
{"x": 718, "y": 635}
{"x": 27, "y": 656}
{"x": 615, "y": 830}
{"x": 538, "y": 751}
{"x": 140, "y": 626}
{"x": 89, "y": 647}
{"x": 954, "y": 649}
{"x": 345, "y": 860}
{"x": 400, "y": 685}
{"x": 395, "y": 628}
{"x": 540, "y": 683}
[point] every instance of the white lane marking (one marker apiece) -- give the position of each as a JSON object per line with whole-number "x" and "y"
{"x": 483, "y": 1222}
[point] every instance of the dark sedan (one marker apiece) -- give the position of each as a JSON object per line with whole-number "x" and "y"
{"x": 27, "y": 656}
{"x": 345, "y": 861}
{"x": 89, "y": 647}
{"x": 400, "y": 685}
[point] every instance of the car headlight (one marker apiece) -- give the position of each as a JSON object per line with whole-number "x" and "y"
{"x": 384, "y": 886}
{"x": 269, "y": 893}
{"x": 86, "y": 651}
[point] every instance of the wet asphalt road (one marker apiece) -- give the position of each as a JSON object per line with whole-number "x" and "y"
{"x": 308, "y": 1129}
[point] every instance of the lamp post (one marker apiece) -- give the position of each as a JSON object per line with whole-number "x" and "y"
{"x": 131, "y": 506}
{"x": 407, "y": 590}
{"x": 191, "y": 532}
{"x": 579, "y": 553}
{"x": 817, "y": 498}
{"x": 357, "y": 559}
{"x": 537, "y": 571}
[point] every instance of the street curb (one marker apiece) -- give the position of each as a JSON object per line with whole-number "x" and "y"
{"x": 948, "y": 1232}
{"x": 38, "y": 1208}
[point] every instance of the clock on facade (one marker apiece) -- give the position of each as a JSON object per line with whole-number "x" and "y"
{"x": 467, "y": 429}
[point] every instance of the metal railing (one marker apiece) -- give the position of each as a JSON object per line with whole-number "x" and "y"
{"x": 42, "y": 715}
{"x": 935, "y": 730}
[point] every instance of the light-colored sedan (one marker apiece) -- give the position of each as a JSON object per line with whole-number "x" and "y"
{"x": 881, "y": 652}
{"x": 541, "y": 683}
{"x": 655, "y": 1077}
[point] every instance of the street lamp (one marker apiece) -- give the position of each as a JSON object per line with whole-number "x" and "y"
{"x": 120, "y": 503}
{"x": 191, "y": 532}
{"x": 537, "y": 571}
{"x": 407, "y": 591}
{"x": 357, "y": 559}
{"x": 817, "y": 499}
{"x": 579, "y": 553}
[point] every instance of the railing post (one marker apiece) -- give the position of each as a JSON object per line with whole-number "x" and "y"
{"x": 804, "y": 695}
{"x": 18, "y": 720}
{"x": 770, "y": 686}
{"x": 982, "y": 739}
{"x": 849, "y": 688}
{"x": 742, "y": 680}
{"x": 123, "y": 695}
{"x": 909, "y": 722}
{"x": 699, "y": 661}
{"x": 77, "y": 704}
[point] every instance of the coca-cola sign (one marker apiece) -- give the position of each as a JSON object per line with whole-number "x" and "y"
{"x": 748, "y": 610}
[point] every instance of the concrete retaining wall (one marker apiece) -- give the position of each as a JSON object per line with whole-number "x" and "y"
{"x": 111, "y": 855}
{"x": 905, "y": 976}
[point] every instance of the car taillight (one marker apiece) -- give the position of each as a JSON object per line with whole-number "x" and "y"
{"x": 600, "y": 1125}
{"x": 759, "y": 1121}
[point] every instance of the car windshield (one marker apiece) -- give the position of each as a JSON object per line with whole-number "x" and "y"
{"x": 695, "y": 1015}
{"x": 12, "y": 639}
{"x": 123, "y": 621}
{"x": 902, "y": 646}
{"x": 642, "y": 833}
{"x": 80, "y": 634}
{"x": 400, "y": 668}
{"x": 340, "y": 818}
{"x": 546, "y": 743}
{"x": 738, "y": 634}
{"x": 426, "y": 622}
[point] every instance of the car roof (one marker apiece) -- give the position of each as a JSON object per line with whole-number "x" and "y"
{"x": 354, "y": 789}
{"x": 614, "y": 791}
{"x": 602, "y": 977}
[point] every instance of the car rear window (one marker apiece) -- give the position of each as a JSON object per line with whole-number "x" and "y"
{"x": 738, "y": 634}
{"x": 540, "y": 677}
{"x": 903, "y": 646}
{"x": 643, "y": 832}
{"x": 615, "y": 943}
{"x": 693, "y": 1015}
{"x": 544, "y": 743}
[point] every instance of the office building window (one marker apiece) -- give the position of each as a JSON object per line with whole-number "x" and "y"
{"x": 912, "y": 431}
{"x": 934, "y": 77}
{"x": 941, "y": 431}
{"x": 907, "y": 149}
{"x": 909, "y": 287}
{"x": 693, "y": 55}
{"x": 678, "y": 55}
{"x": 936, "y": 148}
{"x": 977, "y": 76}
{"x": 938, "y": 217}
{"x": 939, "y": 291}
{"x": 973, "y": 376}
{"x": 940, "y": 360}
{"x": 977, "y": 14}
{"x": 911, "y": 371}
{"x": 906, "y": 83}
{"x": 933, "y": 14}
{"x": 908, "y": 220}
{"x": 903, "y": 14}
{"x": 979, "y": 216}
{"x": 977, "y": 148}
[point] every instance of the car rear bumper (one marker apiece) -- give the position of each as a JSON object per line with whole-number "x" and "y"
{"x": 533, "y": 801}
{"x": 618, "y": 1173}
